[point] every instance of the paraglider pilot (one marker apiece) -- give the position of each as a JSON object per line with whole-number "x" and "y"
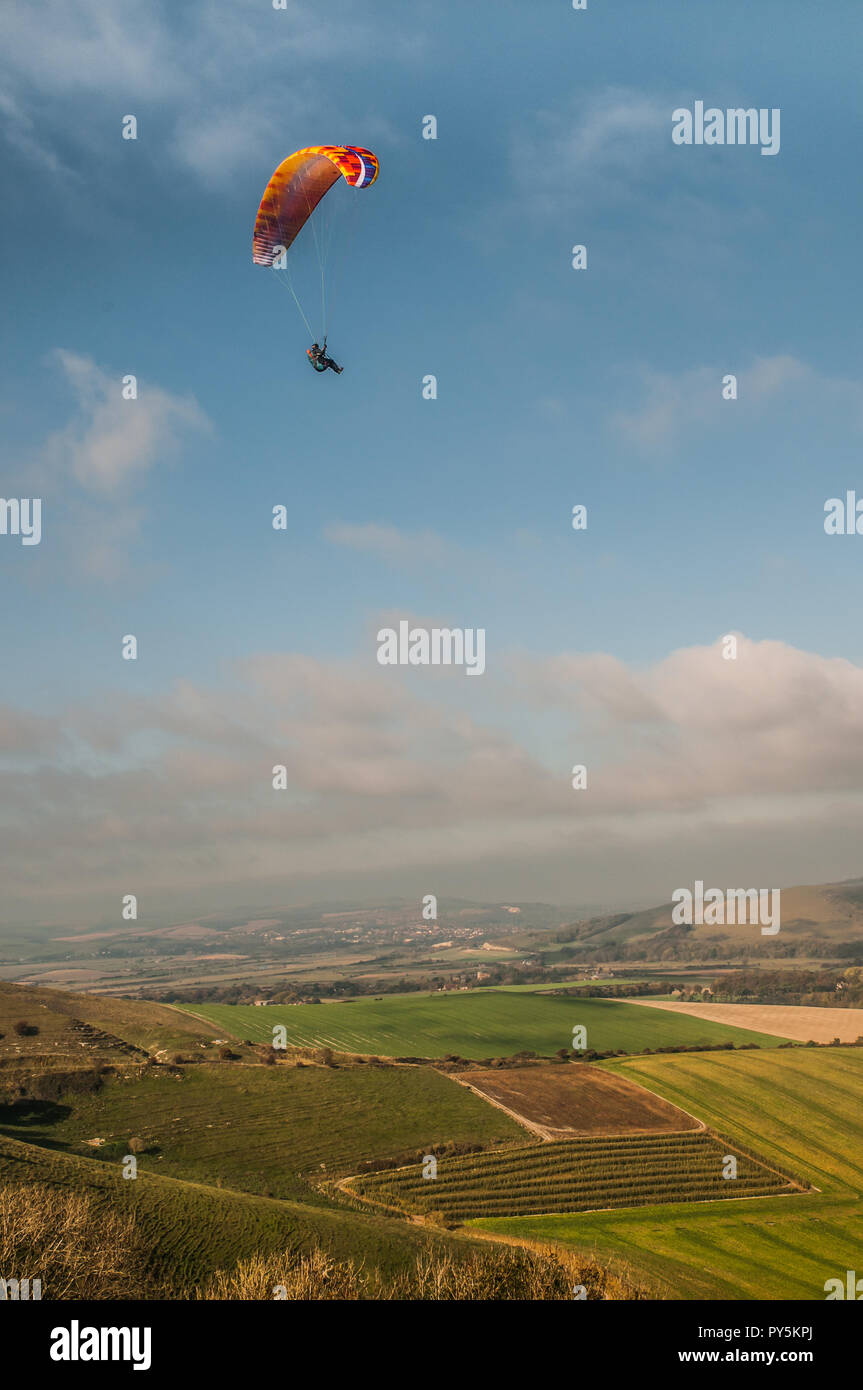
{"x": 319, "y": 360}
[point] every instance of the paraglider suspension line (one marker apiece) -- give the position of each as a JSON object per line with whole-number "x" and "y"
{"x": 321, "y": 263}
{"x": 299, "y": 305}
{"x": 293, "y": 291}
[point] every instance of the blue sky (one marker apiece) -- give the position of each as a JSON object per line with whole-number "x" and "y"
{"x": 555, "y": 387}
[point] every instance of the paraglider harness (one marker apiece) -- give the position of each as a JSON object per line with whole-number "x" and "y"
{"x": 319, "y": 360}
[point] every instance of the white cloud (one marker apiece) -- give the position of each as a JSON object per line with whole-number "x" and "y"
{"x": 113, "y": 441}
{"x": 408, "y": 549}
{"x": 696, "y": 727}
{"x": 61, "y": 48}
{"x": 603, "y": 148}
{"x": 218, "y": 144}
{"x": 94, "y": 469}
{"x": 22, "y": 134}
{"x": 693, "y": 751}
{"x": 677, "y": 402}
{"x": 222, "y": 75}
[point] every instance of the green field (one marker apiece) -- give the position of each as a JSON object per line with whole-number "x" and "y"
{"x": 574, "y": 1175}
{"x": 268, "y": 1130}
{"x": 238, "y": 1153}
{"x": 474, "y": 1025}
{"x": 801, "y": 1108}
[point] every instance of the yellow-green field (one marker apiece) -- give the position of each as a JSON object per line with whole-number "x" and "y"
{"x": 799, "y": 1108}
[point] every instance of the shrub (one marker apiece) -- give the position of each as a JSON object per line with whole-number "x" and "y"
{"x": 437, "y": 1218}
{"x": 25, "y": 1030}
{"x": 226, "y": 1055}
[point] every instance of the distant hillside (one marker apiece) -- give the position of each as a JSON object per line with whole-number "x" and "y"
{"x": 828, "y": 914}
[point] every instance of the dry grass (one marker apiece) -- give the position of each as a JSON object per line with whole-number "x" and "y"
{"x": 81, "y": 1250}
{"x": 75, "y": 1248}
{"x": 492, "y": 1274}
{"x": 302, "y": 1277}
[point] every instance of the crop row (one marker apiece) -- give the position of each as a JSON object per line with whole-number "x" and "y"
{"x": 574, "y": 1175}
{"x": 528, "y": 1207}
{"x": 432, "y": 1193}
{"x": 561, "y": 1150}
{"x": 563, "y": 1196}
{"x": 556, "y": 1158}
{"x": 422, "y": 1189}
{"x": 710, "y": 1164}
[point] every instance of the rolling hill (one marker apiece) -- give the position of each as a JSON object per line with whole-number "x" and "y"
{"x": 195, "y": 1228}
{"x": 274, "y": 1131}
{"x": 53, "y": 1013}
{"x": 823, "y": 913}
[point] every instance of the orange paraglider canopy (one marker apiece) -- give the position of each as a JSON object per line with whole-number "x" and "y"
{"x": 296, "y": 188}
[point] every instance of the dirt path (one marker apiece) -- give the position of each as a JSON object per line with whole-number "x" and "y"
{"x": 344, "y": 1185}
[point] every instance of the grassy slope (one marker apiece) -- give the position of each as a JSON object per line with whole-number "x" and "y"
{"x": 472, "y": 1025}
{"x": 804, "y": 1109}
{"x": 150, "y": 1026}
{"x": 193, "y": 1229}
{"x": 260, "y": 1128}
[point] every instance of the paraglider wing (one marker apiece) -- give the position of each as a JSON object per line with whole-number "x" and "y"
{"x": 298, "y": 185}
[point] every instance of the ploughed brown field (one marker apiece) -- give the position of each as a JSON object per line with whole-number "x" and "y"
{"x": 560, "y": 1100}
